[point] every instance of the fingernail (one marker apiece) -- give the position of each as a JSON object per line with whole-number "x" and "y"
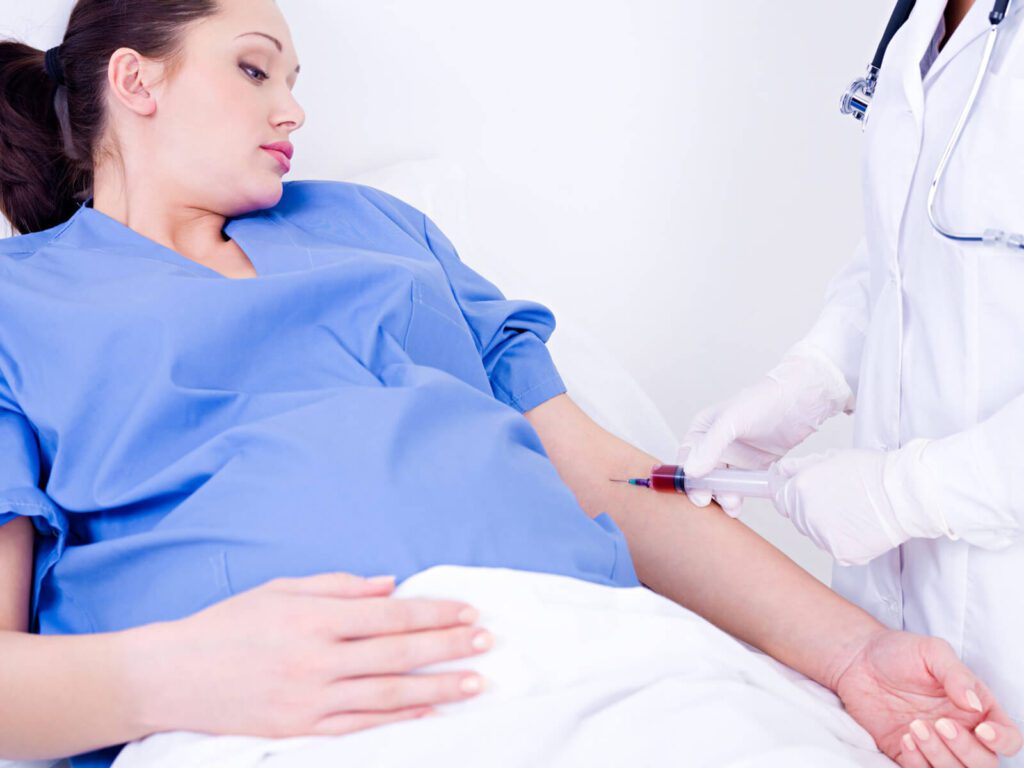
{"x": 920, "y": 730}
{"x": 946, "y": 727}
{"x": 974, "y": 701}
{"x": 986, "y": 731}
{"x": 381, "y": 579}
{"x": 473, "y": 684}
{"x": 908, "y": 743}
{"x": 483, "y": 640}
{"x": 468, "y": 615}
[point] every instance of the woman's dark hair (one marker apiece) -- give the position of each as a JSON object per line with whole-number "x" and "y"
{"x": 49, "y": 135}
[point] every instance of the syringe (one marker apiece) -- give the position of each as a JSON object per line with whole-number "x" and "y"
{"x": 672, "y": 478}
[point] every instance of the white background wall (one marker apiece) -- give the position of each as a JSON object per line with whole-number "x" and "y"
{"x": 674, "y": 173}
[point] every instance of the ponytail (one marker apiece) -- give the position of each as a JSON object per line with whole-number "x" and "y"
{"x": 38, "y": 183}
{"x": 53, "y": 103}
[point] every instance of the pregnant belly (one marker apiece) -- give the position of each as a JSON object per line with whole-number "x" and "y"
{"x": 373, "y": 481}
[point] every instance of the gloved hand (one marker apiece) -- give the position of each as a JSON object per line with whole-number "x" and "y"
{"x": 763, "y": 422}
{"x": 857, "y": 504}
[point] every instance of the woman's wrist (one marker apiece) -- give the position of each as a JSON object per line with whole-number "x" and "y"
{"x": 148, "y": 676}
{"x": 851, "y": 640}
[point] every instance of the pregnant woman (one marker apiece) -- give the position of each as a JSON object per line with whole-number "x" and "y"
{"x": 226, "y": 400}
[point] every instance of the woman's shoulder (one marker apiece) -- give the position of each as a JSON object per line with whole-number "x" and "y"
{"x": 325, "y": 207}
{"x": 23, "y": 246}
{"x": 15, "y": 250}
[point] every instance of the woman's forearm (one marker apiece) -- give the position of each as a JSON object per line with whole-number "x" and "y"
{"x": 700, "y": 557}
{"x": 65, "y": 694}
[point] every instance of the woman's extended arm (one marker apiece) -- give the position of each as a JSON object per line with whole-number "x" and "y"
{"x": 717, "y": 567}
{"x": 700, "y": 557}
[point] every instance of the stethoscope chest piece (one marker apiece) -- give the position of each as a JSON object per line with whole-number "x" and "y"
{"x": 858, "y": 96}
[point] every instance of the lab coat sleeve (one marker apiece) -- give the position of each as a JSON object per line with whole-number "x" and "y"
{"x": 969, "y": 485}
{"x": 510, "y": 335}
{"x": 838, "y": 333}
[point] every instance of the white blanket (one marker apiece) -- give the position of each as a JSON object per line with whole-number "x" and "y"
{"x": 580, "y": 675}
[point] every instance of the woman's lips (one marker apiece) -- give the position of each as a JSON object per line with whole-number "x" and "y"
{"x": 280, "y": 157}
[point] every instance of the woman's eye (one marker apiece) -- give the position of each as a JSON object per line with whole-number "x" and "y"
{"x": 260, "y": 74}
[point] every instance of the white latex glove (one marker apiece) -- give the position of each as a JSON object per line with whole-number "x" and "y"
{"x": 857, "y": 504}
{"x": 762, "y": 423}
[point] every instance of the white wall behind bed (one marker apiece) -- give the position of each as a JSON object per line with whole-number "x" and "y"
{"x": 672, "y": 175}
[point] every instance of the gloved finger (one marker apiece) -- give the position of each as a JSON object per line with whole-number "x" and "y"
{"x": 700, "y": 498}
{"x": 789, "y": 466}
{"x": 731, "y": 503}
{"x": 745, "y": 456}
{"x": 702, "y": 422}
{"x": 707, "y": 452}
{"x": 694, "y": 434}
{"x": 786, "y": 469}
{"x": 682, "y": 452}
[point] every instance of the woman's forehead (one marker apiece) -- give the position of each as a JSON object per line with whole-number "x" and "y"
{"x": 246, "y": 20}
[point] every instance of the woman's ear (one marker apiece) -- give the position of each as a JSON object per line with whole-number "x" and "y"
{"x": 129, "y": 74}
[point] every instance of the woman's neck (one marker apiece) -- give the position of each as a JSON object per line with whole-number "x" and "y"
{"x": 956, "y": 10}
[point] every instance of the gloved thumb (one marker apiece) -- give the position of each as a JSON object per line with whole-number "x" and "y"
{"x": 789, "y": 466}
{"x": 779, "y": 473}
{"x": 779, "y": 476}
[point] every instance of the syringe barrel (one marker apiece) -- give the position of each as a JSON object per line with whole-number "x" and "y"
{"x": 744, "y": 482}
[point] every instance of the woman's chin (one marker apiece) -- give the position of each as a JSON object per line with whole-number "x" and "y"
{"x": 266, "y": 195}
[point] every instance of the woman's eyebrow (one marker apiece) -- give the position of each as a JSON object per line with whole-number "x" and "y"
{"x": 272, "y": 39}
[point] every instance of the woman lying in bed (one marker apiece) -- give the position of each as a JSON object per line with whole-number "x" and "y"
{"x": 224, "y": 401}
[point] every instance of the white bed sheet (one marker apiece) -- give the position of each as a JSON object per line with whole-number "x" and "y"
{"x": 581, "y": 675}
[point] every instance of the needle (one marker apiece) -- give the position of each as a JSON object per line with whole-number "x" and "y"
{"x": 645, "y": 482}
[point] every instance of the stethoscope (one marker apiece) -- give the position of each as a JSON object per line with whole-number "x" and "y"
{"x": 858, "y": 97}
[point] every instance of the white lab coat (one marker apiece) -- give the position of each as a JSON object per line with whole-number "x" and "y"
{"x": 930, "y": 334}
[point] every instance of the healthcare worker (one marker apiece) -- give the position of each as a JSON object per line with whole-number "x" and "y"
{"x": 921, "y": 340}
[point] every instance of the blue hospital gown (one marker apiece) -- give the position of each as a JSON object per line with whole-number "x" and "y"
{"x": 178, "y": 437}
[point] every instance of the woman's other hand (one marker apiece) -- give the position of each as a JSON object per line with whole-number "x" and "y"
{"x": 320, "y": 655}
{"x": 923, "y": 706}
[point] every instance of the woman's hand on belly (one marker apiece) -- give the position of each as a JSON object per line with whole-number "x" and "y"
{"x": 320, "y": 655}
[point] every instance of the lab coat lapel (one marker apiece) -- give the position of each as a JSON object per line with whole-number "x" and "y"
{"x": 894, "y": 129}
{"x": 913, "y": 43}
